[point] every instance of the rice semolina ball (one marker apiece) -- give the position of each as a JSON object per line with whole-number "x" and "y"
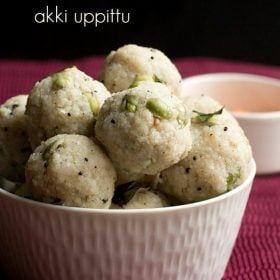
{"x": 66, "y": 102}
{"x": 139, "y": 195}
{"x": 218, "y": 160}
{"x": 145, "y": 198}
{"x": 144, "y": 130}
{"x": 14, "y": 146}
{"x": 132, "y": 63}
{"x": 71, "y": 170}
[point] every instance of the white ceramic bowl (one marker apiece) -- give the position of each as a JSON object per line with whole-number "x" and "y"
{"x": 41, "y": 241}
{"x": 255, "y": 102}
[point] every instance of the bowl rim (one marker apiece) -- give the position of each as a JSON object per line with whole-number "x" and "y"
{"x": 236, "y": 76}
{"x": 247, "y": 182}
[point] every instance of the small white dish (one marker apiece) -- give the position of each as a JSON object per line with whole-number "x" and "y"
{"x": 254, "y": 101}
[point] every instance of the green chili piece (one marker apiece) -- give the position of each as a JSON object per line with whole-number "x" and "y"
{"x": 158, "y": 108}
{"x": 141, "y": 78}
{"x": 59, "y": 81}
{"x": 131, "y": 103}
{"x": 145, "y": 78}
{"x": 182, "y": 117}
{"x": 94, "y": 107}
{"x": 232, "y": 179}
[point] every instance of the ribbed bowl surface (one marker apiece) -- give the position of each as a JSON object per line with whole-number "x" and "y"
{"x": 40, "y": 241}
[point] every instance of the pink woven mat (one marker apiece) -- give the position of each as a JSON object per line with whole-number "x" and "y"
{"x": 256, "y": 254}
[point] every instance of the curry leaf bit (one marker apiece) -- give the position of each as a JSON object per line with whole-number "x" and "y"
{"x": 157, "y": 79}
{"x": 232, "y": 179}
{"x": 46, "y": 153}
{"x": 94, "y": 107}
{"x": 159, "y": 108}
{"x": 206, "y": 117}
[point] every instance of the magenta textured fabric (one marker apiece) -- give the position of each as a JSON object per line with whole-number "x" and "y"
{"x": 256, "y": 255}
